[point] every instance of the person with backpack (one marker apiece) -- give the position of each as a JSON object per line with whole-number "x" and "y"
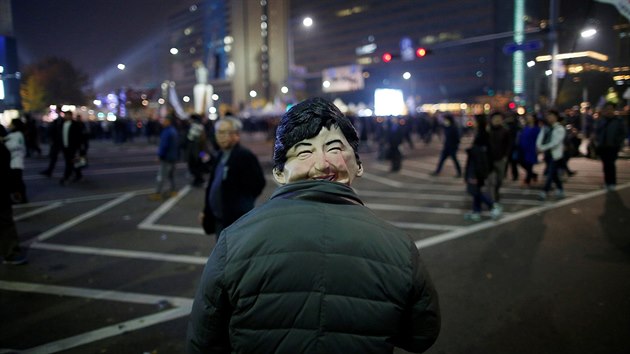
{"x": 477, "y": 170}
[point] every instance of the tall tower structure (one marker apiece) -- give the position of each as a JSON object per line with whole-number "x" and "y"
{"x": 9, "y": 74}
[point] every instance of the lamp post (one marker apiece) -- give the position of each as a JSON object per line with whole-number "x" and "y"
{"x": 307, "y": 22}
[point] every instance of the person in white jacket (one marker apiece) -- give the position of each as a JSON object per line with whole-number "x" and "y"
{"x": 14, "y": 141}
{"x": 550, "y": 142}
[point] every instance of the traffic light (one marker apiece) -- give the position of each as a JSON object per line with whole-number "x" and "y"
{"x": 421, "y": 52}
{"x": 387, "y": 57}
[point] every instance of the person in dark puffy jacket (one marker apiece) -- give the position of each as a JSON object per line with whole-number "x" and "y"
{"x": 313, "y": 270}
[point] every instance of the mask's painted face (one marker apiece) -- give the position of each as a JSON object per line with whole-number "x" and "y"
{"x": 327, "y": 156}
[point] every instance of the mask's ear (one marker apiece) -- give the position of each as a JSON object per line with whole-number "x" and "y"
{"x": 279, "y": 176}
{"x": 360, "y": 170}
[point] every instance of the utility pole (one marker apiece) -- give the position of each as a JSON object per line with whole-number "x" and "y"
{"x": 553, "y": 41}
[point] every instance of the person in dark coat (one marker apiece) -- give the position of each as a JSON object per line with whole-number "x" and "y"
{"x": 168, "y": 154}
{"x": 54, "y": 138}
{"x": 72, "y": 142}
{"x": 610, "y": 133}
{"x": 236, "y": 179}
{"x": 451, "y": 145}
{"x": 313, "y": 270}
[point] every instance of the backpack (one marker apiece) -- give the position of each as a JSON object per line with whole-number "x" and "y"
{"x": 477, "y": 164}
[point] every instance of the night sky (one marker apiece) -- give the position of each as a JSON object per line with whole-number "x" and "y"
{"x": 96, "y": 35}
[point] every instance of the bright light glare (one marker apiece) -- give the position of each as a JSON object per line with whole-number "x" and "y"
{"x": 307, "y": 22}
{"x": 111, "y": 117}
{"x": 253, "y": 94}
{"x": 531, "y": 63}
{"x": 284, "y": 89}
{"x": 407, "y": 75}
{"x": 388, "y": 102}
{"x": 1, "y": 69}
{"x": 97, "y": 102}
{"x": 174, "y": 51}
{"x": 548, "y": 72}
{"x": 326, "y": 84}
{"x": 215, "y": 97}
{"x": 212, "y": 110}
{"x": 121, "y": 66}
{"x": 161, "y": 101}
{"x": 588, "y": 33}
{"x": 186, "y": 99}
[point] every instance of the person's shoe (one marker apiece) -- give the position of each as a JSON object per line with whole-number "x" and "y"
{"x": 542, "y": 196}
{"x": 559, "y": 194}
{"x": 472, "y": 216}
{"x": 496, "y": 212}
{"x": 46, "y": 173}
{"x": 155, "y": 196}
{"x": 15, "y": 260}
{"x": 610, "y": 187}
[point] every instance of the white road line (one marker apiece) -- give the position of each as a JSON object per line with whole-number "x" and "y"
{"x": 421, "y": 226}
{"x": 152, "y": 256}
{"x": 79, "y": 219}
{"x": 164, "y": 208}
{"x": 439, "y": 197}
{"x": 172, "y": 228}
{"x": 435, "y": 240}
{"x": 37, "y": 211}
{"x": 83, "y": 199}
{"x": 110, "y": 331}
{"x": 382, "y": 180}
{"x": 415, "y": 209}
{"x": 111, "y": 171}
{"x": 110, "y": 295}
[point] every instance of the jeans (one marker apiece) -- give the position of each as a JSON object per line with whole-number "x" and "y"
{"x": 552, "y": 175}
{"x": 608, "y": 155}
{"x": 167, "y": 170}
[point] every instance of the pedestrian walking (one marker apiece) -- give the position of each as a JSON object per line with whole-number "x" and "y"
{"x": 10, "y": 250}
{"x": 610, "y": 135}
{"x": 313, "y": 270}
{"x": 452, "y": 138}
{"x": 527, "y": 153}
{"x": 550, "y": 141}
{"x": 500, "y": 147}
{"x": 196, "y": 146}
{"x": 55, "y": 141}
{"x": 477, "y": 171}
{"x": 15, "y": 142}
{"x": 236, "y": 179}
{"x": 168, "y": 154}
{"x": 395, "y": 136}
{"x": 72, "y": 141}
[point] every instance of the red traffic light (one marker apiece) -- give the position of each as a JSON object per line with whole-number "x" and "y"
{"x": 511, "y": 105}
{"x": 387, "y": 57}
{"x": 421, "y": 52}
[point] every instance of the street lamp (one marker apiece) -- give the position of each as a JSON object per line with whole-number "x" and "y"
{"x": 121, "y": 66}
{"x": 406, "y": 75}
{"x": 307, "y": 22}
{"x": 588, "y": 33}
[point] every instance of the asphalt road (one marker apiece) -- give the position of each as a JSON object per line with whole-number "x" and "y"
{"x": 111, "y": 271}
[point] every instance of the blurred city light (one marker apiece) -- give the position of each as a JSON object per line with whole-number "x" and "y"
{"x": 97, "y": 102}
{"x": 531, "y": 63}
{"x": 588, "y": 33}
{"x": 548, "y": 72}
{"x": 307, "y": 22}
{"x": 284, "y": 89}
{"x": 161, "y": 101}
{"x": 121, "y": 66}
{"x": 406, "y": 75}
{"x": 215, "y": 97}
{"x": 421, "y": 52}
{"x": 253, "y": 94}
{"x": 186, "y": 99}
{"x": 389, "y": 102}
{"x": 174, "y": 51}
{"x": 387, "y": 57}
{"x": 326, "y": 84}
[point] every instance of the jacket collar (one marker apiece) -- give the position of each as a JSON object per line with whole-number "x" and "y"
{"x": 318, "y": 191}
